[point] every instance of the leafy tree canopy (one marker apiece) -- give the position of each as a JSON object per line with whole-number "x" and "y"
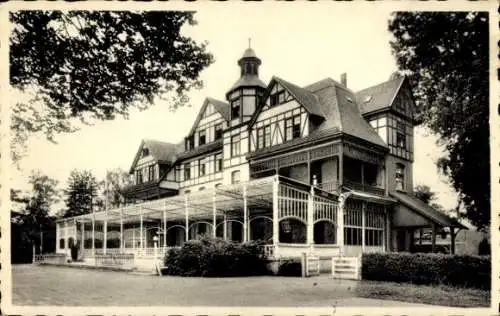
{"x": 424, "y": 193}
{"x": 114, "y": 182}
{"x": 95, "y": 65}
{"x": 33, "y": 213}
{"x": 445, "y": 55}
{"x": 81, "y": 194}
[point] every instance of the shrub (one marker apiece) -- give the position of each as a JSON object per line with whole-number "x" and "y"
{"x": 211, "y": 257}
{"x": 423, "y": 268}
{"x": 290, "y": 267}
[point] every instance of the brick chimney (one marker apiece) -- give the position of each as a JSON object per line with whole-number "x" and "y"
{"x": 343, "y": 79}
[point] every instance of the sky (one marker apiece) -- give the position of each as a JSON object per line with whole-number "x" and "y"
{"x": 300, "y": 46}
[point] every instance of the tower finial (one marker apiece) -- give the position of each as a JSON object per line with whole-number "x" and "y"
{"x": 249, "y": 42}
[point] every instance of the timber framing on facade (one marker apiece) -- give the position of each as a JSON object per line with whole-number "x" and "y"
{"x": 318, "y": 169}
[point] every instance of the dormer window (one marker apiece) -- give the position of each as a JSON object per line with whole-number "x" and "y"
{"x": 145, "y": 152}
{"x": 187, "y": 171}
{"x": 218, "y": 131}
{"x": 201, "y": 167}
{"x": 190, "y": 142}
{"x": 400, "y": 135}
{"x": 235, "y": 108}
{"x": 264, "y": 137}
{"x": 202, "y": 137}
{"x": 292, "y": 128}
{"x": 400, "y": 177}
{"x": 138, "y": 177}
{"x": 151, "y": 173}
{"x": 277, "y": 98}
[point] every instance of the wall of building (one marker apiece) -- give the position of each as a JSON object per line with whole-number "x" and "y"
{"x": 404, "y": 217}
{"x": 329, "y": 170}
{"x": 299, "y": 173}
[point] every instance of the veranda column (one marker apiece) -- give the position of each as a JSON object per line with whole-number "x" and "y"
{"x": 340, "y": 221}
{"x": 363, "y": 226}
{"x": 105, "y": 238}
{"x": 276, "y": 230}
{"x": 224, "y": 226}
{"x": 141, "y": 241}
{"x": 452, "y": 242}
{"x": 75, "y": 230}
{"x": 245, "y": 214}
{"x": 93, "y": 233}
{"x": 164, "y": 229}
{"x": 83, "y": 236}
{"x": 186, "y": 211}
{"x": 310, "y": 219}
{"x": 121, "y": 230}
{"x": 388, "y": 230}
{"x": 214, "y": 214}
{"x": 58, "y": 236}
{"x": 433, "y": 237}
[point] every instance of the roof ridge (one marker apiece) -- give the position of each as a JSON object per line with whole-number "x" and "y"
{"x": 380, "y": 84}
{"x": 292, "y": 86}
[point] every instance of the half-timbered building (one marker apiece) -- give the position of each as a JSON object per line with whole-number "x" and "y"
{"x": 318, "y": 169}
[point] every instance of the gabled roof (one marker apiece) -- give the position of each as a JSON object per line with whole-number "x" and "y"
{"x": 162, "y": 152}
{"x": 426, "y": 210}
{"x": 307, "y": 99}
{"x": 380, "y": 96}
{"x": 339, "y": 105}
{"x": 203, "y": 149}
{"x": 221, "y": 107}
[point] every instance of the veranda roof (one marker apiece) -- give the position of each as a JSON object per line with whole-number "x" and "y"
{"x": 200, "y": 204}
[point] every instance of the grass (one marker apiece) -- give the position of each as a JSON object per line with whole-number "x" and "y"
{"x": 426, "y": 294}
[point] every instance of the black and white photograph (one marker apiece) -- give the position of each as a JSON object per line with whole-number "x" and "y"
{"x": 309, "y": 158}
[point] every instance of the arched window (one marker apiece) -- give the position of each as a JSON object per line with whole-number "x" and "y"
{"x": 61, "y": 243}
{"x": 400, "y": 177}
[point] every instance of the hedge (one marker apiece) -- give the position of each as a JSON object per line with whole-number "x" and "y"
{"x": 427, "y": 268}
{"x": 290, "y": 267}
{"x": 209, "y": 257}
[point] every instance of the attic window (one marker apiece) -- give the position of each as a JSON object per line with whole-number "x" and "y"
{"x": 145, "y": 152}
{"x": 367, "y": 99}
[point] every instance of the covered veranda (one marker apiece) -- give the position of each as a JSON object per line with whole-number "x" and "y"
{"x": 275, "y": 210}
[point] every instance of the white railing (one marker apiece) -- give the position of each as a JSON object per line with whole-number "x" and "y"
{"x": 151, "y": 251}
{"x": 114, "y": 259}
{"x": 346, "y": 268}
{"x": 330, "y": 187}
{"x": 50, "y": 258}
{"x": 311, "y": 264}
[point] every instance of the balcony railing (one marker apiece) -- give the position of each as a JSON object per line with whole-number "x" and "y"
{"x": 363, "y": 187}
{"x": 330, "y": 187}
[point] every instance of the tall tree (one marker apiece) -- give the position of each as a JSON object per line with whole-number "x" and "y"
{"x": 81, "y": 194}
{"x": 445, "y": 55}
{"x": 114, "y": 182}
{"x": 424, "y": 193}
{"x": 94, "y": 65}
{"x": 32, "y": 218}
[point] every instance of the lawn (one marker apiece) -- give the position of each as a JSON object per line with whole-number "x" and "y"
{"x": 425, "y": 294}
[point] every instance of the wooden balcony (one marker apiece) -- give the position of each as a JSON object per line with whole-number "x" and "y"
{"x": 363, "y": 187}
{"x": 334, "y": 187}
{"x": 330, "y": 187}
